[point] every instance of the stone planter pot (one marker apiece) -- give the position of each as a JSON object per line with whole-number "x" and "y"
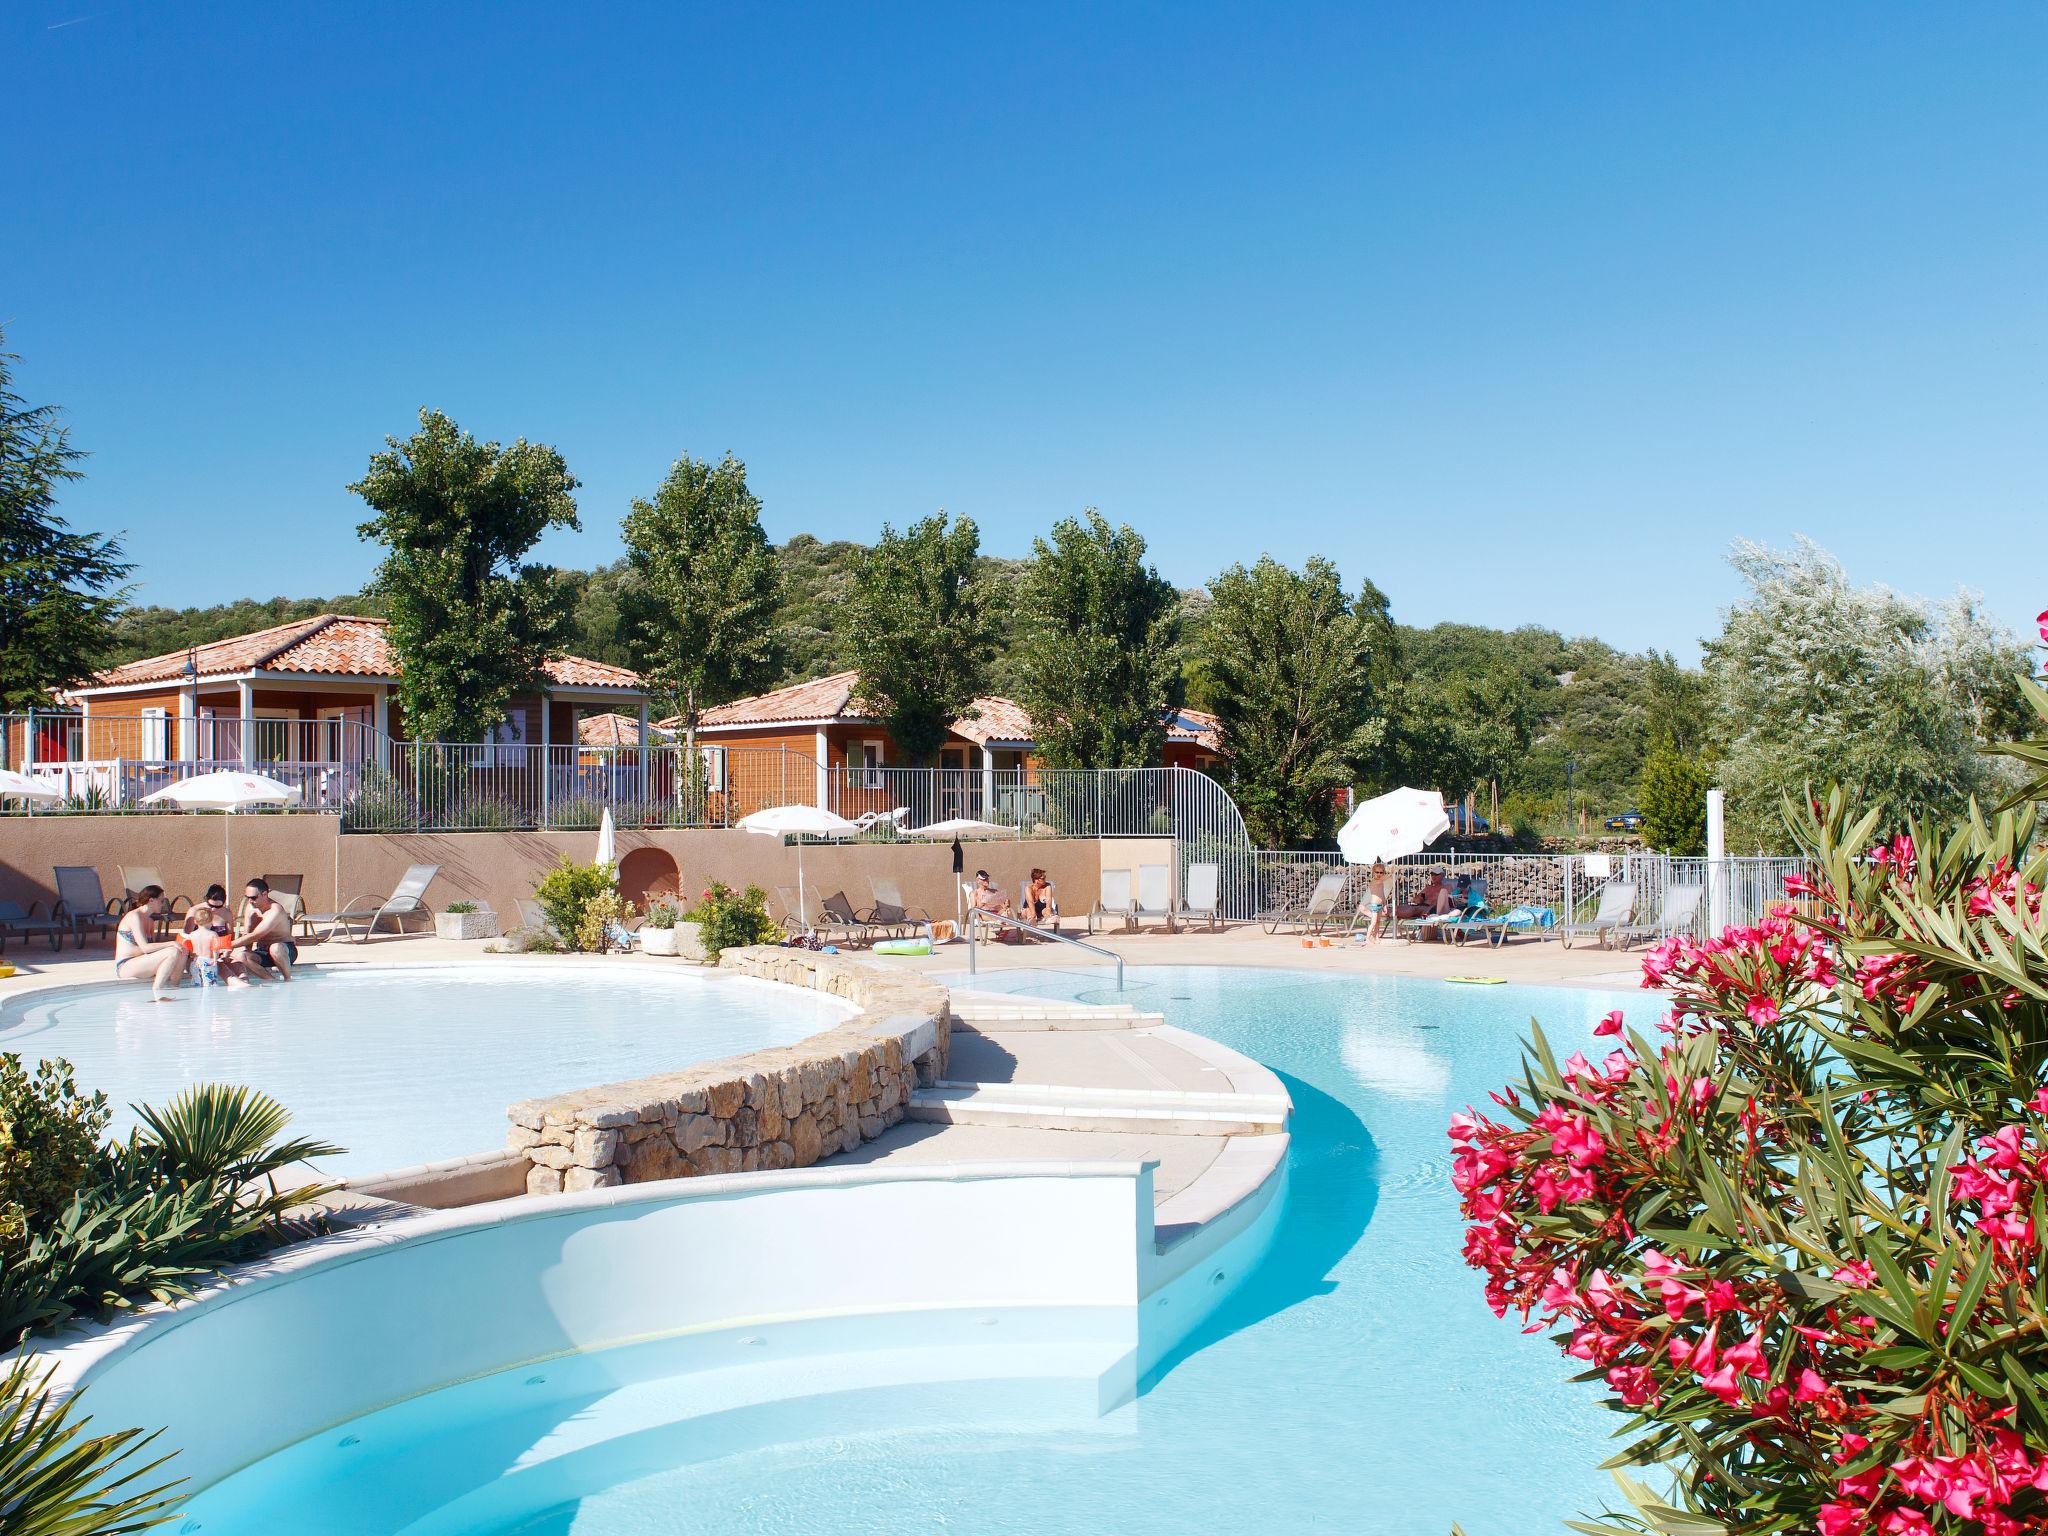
{"x": 681, "y": 940}
{"x": 465, "y": 925}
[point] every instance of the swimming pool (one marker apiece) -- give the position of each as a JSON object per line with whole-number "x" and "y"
{"x": 1351, "y": 1381}
{"x": 1354, "y": 1382}
{"x": 408, "y": 1065}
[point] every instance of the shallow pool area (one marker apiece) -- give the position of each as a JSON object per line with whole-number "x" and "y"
{"x": 865, "y": 1356}
{"x": 413, "y": 1064}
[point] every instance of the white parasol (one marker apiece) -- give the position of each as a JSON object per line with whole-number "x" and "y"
{"x": 607, "y": 839}
{"x": 228, "y": 790}
{"x": 797, "y": 821}
{"x": 1401, "y": 821}
{"x": 19, "y": 786}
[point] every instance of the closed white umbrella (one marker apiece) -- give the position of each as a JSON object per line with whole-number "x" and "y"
{"x": 797, "y": 821}
{"x": 1402, "y": 821}
{"x": 228, "y": 790}
{"x": 607, "y": 839}
{"x": 957, "y": 828}
{"x": 19, "y": 786}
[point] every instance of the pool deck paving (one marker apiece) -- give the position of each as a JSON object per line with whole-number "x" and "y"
{"x": 1032, "y": 1081}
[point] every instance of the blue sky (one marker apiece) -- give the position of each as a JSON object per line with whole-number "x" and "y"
{"x": 1523, "y": 311}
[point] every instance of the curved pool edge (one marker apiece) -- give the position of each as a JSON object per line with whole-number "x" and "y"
{"x": 336, "y": 1328}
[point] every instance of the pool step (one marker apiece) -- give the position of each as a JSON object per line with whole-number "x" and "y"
{"x": 1051, "y": 1107}
{"x": 988, "y": 1014}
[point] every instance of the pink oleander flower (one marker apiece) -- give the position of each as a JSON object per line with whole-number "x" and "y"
{"x": 1609, "y": 1025}
{"x": 1856, "y": 1273}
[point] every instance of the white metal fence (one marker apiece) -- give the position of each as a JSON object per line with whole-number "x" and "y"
{"x": 1735, "y": 891}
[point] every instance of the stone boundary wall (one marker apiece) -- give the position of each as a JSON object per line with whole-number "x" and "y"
{"x": 785, "y": 1107}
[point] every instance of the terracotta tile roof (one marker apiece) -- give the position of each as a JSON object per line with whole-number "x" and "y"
{"x": 832, "y": 698}
{"x": 995, "y": 719}
{"x": 337, "y": 644}
{"x": 822, "y": 698}
{"x": 1197, "y": 726}
{"x": 615, "y": 730}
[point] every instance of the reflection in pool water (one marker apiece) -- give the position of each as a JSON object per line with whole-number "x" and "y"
{"x": 410, "y": 1065}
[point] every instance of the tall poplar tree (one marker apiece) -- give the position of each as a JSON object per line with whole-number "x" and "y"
{"x": 922, "y": 635}
{"x": 1293, "y": 669}
{"x": 1100, "y": 664}
{"x": 702, "y": 608}
{"x": 471, "y": 620}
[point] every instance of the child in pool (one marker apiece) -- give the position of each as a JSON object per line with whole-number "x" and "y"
{"x": 206, "y": 937}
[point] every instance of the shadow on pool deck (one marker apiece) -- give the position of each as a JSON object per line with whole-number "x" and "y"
{"x": 1332, "y": 1191}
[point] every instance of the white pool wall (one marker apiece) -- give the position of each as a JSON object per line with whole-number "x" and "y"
{"x": 340, "y": 1327}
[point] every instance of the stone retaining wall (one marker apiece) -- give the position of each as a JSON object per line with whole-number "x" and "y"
{"x": 780, "y": 1108}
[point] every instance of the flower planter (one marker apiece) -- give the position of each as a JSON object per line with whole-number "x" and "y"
{"x": 465, "y": 925}
{"x": 680, "y": 940}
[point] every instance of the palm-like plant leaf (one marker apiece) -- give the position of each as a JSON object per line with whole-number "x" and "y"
{"x": 220, "y": 1131}
{"x": 58, "y": 1480}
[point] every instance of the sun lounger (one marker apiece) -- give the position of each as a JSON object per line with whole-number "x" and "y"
{"x": 1678, "y": 913}
{"x": 1319, "y": 911}
{"x": 1451, "y": 927}
{"x": 890, "y": 906}
{"x": 1201, "y": 899}
{"x": 1524, "y": 919}
{"x": 406, "y": 898}
{"x": 839, "y": 913}
{"x": 81, "y": 903}
{"x": 20, "y": 923}
{"x": 138, "y": 877}
{"x": 1155, "y": 895}
{"x": 1617, "y": 903}
{"x": 533, "y": 915}
{"x": 1115, "y": 900}
{"x": 288, "y": 891}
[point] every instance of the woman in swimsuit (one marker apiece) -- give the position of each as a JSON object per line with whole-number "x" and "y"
{"x": 139, "y": 955}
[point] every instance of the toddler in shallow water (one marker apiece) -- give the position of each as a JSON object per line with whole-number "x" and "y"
{"x": 206, "y": 936}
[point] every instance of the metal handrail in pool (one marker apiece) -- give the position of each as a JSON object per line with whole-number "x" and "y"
{"x": 975, "y": 916}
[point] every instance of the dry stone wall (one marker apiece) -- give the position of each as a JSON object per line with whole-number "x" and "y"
{"x": 780, "y": 1108}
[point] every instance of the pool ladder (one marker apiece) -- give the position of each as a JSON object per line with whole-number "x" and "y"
{"x": 976, "y": 917}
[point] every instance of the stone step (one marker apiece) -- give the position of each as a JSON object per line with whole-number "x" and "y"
{"x": 1051, "y": 1107}
{"x": 1051, "y": 1016}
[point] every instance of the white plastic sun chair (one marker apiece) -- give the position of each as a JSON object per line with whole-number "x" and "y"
{"x": 1617, "y": 903}
{"x": 136, "y": 878}
{"x": 890, "y": 907}
{"x": 406, "y": 898}
{"x": 1679, "y": 913}
{"x": 1115, "y": 899}
{"x": 1155, "y": 895}
{"x": 1201, "y": 898}
{"x": 1319, "y": 911}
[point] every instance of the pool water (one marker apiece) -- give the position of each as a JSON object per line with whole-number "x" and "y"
{"x": 411, "y": 1065}
{"x": 1354, "y": 1383}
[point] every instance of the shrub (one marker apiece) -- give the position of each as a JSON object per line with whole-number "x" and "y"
{"x": 603, "y": 917}
{"x": 459, "y": 907}
{"x": 185, "y": 1193}
{"x": 49, "y": 1145}
{"x": 663, "y": 911}
{"x": 565, "y": 890}
{"x": 378, "y": 804}
{"x": 485, "y": 813}
{"x": 731, "y": 920}
{"x": 1800, "y": 1237}
{"x": 1673, "y": 800}
{"x": 577, "y": 813}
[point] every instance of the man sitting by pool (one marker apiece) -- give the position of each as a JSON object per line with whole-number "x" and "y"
{"x": 1431, "y": 900}
{"x": 268, "y": 938}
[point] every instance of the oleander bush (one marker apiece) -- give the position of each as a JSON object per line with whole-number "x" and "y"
{"x": 729, "y": 919}
{"x": 1795, "y": 1228}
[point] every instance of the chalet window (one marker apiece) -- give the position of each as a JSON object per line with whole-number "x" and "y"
{"x": 871, "y": 763}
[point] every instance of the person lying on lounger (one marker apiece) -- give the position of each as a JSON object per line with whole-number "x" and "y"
{"x": 1433, "y": 899}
